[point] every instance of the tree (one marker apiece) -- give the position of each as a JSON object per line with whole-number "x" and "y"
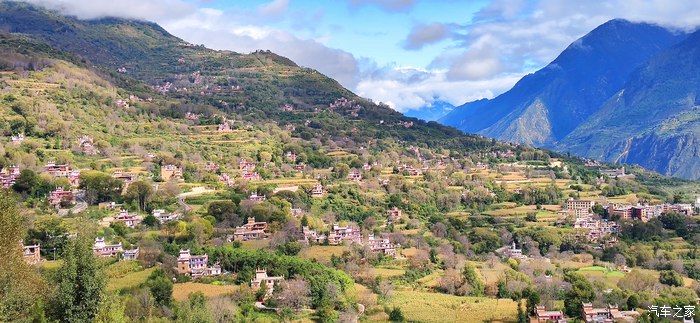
{"x": 671, "y": 278}
{"x": 150, "y": 220}
{"x": 522, "y": 317}
{"x": 294, "y": 294}
{"x": 80, "y": 283}
{"x": 472, "y": 279}
{"x": 141, "y": 192}
{"x": 396, "y": 315}
{"x": 111, "y": 311}
{"x": 20, "y": 285}
{"x": 99, "y": 187}
{"x": 224, "y": 211}
{"x": 161, "y": 287}
{"x": 581, "y": 292}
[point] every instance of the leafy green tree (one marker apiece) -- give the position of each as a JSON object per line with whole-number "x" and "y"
{"x": 150, "y": 220}
{"x": 29, "y": 183}
{"x": 224, "y": 211}
{"x": 581, "y": 292}
{"x": 99, "y": 187}
{"x": 111, "y": 311}
{"x": 140, "y": 192}
{"x": 471, "y": 277}
{"x": 671, "y": 278}
{"x": 20, "y": 286}
{"x": 80, "y": 283}
{"x": 396, "y": 315}
{"x": 161, "y": 287}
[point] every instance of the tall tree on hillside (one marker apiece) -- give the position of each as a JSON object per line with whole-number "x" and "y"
{"x": 99, "y": 187}
{"x": 80, "y": 283}
{"x": 19, "y": 284}
{"x": 141, "y": 192}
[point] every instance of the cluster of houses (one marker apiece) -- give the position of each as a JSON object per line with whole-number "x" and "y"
{"x": 602, "y": 230}
{"x": 349, "y": 235}
{"x": 597, "y": 230}
{"x": 591, "y": 314}
{"x": 8, "y": 176}
{"x": 646, "y": 212}
{"x": 63, "y": 171}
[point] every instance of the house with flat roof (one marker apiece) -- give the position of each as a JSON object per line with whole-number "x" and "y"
{"x": 344, "y": 234}
{"x": 382, "y": 245}
{"x": 261, "y": 278}
{"x": 102, "y": 249}
{"x": 195, "y": 265}
{"x": 32, "y": 254}
{"x": 251, "y": 230}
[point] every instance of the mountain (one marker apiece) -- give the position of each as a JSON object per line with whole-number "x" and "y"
{"x": 544, "y": 107}
{"x": 148, "y": 61}
{"x": 653, "y": 120}
{"x": 431, "y": 112}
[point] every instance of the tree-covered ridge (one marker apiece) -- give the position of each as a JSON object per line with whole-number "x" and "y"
{"x": 253, "y": 85}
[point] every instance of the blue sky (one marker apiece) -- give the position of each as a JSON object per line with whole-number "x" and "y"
{"x": 406, "y": 53}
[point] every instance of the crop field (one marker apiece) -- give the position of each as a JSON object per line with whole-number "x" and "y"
{"x": 387, "y": 272}
{"x": 547, "y": 210}
{"x": 433, "y": 307}
{"x": 126, "y": 275}
{"x": 182, "y": 291}
{"x": 322, "y": 253}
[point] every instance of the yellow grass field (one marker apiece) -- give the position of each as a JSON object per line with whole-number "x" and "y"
{"x": 434, "y": 307}
{"x": 322, "y": 253}
{"x": 182, "y": 291}
{"x": 387, "y": 272}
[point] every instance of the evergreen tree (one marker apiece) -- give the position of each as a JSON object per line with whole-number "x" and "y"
{"x": 80, "y": 283}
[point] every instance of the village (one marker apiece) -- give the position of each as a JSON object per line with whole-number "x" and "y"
{"x": 212, "y": 186}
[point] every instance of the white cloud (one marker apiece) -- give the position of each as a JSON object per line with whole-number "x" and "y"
{"x": 133, "y": 9}
{"x": 403, "y": 92}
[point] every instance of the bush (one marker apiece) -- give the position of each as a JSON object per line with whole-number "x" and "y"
{"x": 671, "y": 278}
{"x": 396, "y": 315}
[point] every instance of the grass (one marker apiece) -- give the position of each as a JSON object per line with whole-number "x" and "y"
{"x": 182, "y": 291}
{"x": 255, "y": 244}
{"x": 388, "y": 272}
{"x": 546, "y": 211}
{"x": 608, "y": 276}
{"x": 129, "y": 280}
{"x": 434, "y": 307}
{"x": 322, "y": 253}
